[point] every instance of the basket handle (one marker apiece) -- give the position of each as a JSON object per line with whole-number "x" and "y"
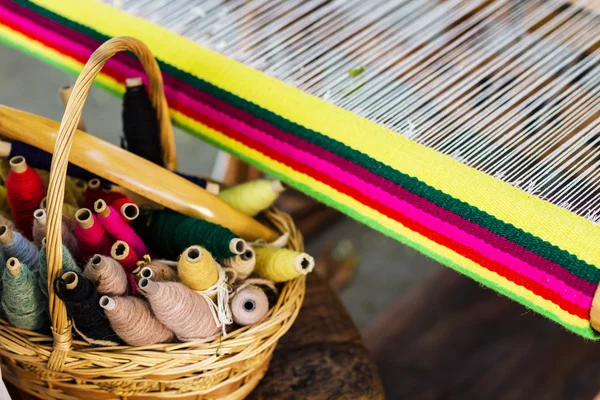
{"x": 61, "y": 327}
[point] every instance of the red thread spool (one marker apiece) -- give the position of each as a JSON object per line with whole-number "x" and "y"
{"x": 124, "y": 205}
{"x": 128, "y": 259}
{"x": 91, "y": 235}
{"x": 24, "y": 192}
{"x": 93, "y": 192}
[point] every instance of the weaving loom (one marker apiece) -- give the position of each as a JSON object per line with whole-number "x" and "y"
{"x": 465, "y": 129}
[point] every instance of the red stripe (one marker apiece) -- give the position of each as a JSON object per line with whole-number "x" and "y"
{"x": 458, "y": 247}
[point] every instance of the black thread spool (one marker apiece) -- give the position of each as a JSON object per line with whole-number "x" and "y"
{"x": 140, "y": 123}
{"x": 83, "y": 307}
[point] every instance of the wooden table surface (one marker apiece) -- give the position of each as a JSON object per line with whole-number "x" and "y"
{"x": 322, "y": 356}
{"x": 451, "y": 339}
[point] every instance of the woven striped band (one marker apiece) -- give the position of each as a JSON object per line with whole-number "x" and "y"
{"x": 519, "y": 245}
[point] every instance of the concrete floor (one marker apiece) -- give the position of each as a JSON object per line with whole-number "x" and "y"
{"x": 386, "y": 268}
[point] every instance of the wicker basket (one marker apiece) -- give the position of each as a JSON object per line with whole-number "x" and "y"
{"x": 60, "y": 367}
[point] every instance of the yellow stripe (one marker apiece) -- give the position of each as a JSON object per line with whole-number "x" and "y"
{"x": 360, "y": 208}
{"x": 542, "y": 219}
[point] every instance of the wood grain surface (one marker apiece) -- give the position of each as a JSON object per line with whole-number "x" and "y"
{"x": 452, "y": 339}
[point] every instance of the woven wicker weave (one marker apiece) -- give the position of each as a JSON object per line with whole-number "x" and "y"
{"x": 60, "y": 367}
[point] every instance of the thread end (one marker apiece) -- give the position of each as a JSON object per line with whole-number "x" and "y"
{"x": 147, "y": 273}
{"x": 71, "y": 279}
{"x": 130, "y": 211}
{"x": 18, "y": 164}
{"x": 193, "y": 253}
{"x": 237, "y": 246}
{"x": 13, "y": 266}
{"x": 40, "y": 216}
{"x": 213, "y": 188}
{"x": 94, "y": 184}
{"x": 147, "y": 286}
{"x": 101, "y": 208}
{"x": 119, "y": 250}
{"x": 84, "y": 218}
{"x": 247, "y": 255}
{"x": 304, "y": 263}
{"x": 6, "y": 235}
{"x": 107, "y": 303}
{"x": 277, "y": 186}
{"x": 133, "y": 82}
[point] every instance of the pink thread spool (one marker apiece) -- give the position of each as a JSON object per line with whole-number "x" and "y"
{"x": 119, "y": 229}
{"x": 91, "y": 235}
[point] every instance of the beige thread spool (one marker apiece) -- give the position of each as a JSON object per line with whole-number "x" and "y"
{"x": 108, "y": 275}
{"x": 243, "y": 264}
{"x": 133, "y": 321}
{"x": 249, "y": 305}
{"x": 157, "y": 270}
{"x": 180, "y": 309}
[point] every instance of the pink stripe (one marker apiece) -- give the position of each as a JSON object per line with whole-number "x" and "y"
{"x": 63, "y": 41}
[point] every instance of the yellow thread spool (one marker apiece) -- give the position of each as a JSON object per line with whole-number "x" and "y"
{"x": 197, "y": 268}
{"x": 281, "y": 265}
{"x": 252, "y": 197}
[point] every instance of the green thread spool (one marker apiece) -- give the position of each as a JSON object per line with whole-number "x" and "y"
{"x": 169, "y": 233}
{"x": 68, "y": 265}
{"x": 22, "y": 300}
{"x": 281, "y": 265}
{"x": 252, "y": 197}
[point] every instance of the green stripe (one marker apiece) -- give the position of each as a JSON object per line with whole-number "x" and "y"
{"x": 585, "y": 332}
{"x": 524, "y": 239}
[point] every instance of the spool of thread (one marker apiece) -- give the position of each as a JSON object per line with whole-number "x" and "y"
{"x": 156, "y": 270}
{"x": 243, "y": 264}
{"x": 252, "y": 197}
{"x": 39, "y": 232}
{"x": 37, "y": 158}
{"x": 128, "y": 259}
{"x": 67, "y": 209}
{"x": 22, "y": 300}
{"x": 127, "y": 209}
{"x": 140, "y": 123}
{"x": 108, "y": 275}
{"x": 197, "y": 268}
{"x": 15, "y": 245}
{"x": 68, "y": 265}
{"x": 180, "y": 309}
{"x": 93, "y": 193}
{"x": 91, "y": 235}
{"x": 125, "y": 255}
{"x": 131, "y": 319}
{"x": 170, "y": 233}
{"x": 119, "y": 229}
{"x": 82, "y": 302}
{"x": 249, "y": 305}
{"x": 210, "y": 187}
{"x": 25, "y": 191}
{"x": 281, "y": 265}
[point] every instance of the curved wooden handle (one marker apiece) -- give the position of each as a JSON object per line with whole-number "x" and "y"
{"x": 112, "y": 163}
